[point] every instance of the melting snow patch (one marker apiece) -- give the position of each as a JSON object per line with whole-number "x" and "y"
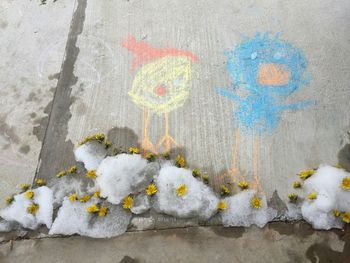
{"x": 73, "y": 218}
{"x": 240, "y": 212}
{"x": 326, "y": 183}
{"x": 124, "y": 174}
{"x": 17, "y": 210}
{"x": 197, "y": 198}
{"x": 91, "y": 154}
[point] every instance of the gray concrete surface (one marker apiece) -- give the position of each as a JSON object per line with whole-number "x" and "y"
{"x": 278, "y": 242}
{"x": 91, "y": 88}
{"x": 64, "y": 75}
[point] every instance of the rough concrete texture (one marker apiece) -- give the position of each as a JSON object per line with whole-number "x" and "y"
{"x": 204, "y": 125}
{"x": 278, "y": 242}
{"x": 64, "y": 75}
{"x": 32, "y": 39}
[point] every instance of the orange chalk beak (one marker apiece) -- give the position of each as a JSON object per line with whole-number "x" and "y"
{"x": 273, "y": 74}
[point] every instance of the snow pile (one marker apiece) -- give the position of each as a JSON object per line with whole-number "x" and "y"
{"x": 17, "y": 210}
{"x": 326, "y": 183}
{"x": 91, "y": 154}
{"x": 124, "y": 174}
{"x": 198, "y": 199}
{"x": 240, "y": 211}
{"x": 73, "y": 218}
{"x": 64, "y": 186}
{"x": 142, "y": 203}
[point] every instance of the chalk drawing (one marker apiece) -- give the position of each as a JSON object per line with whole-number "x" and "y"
{"x": 161, "y": 85}
{"x": 267, "y": 70}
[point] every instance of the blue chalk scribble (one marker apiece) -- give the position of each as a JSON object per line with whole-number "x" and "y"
{"x": 269, "y": 69}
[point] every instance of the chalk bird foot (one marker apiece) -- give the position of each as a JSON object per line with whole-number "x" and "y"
{"x": 167, "y": 142}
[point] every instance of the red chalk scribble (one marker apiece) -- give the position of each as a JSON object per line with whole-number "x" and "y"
{"x": 145, "y": 53}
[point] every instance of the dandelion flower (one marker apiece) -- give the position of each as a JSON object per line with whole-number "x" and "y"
{"x": 61, "y": 174}
{"x": 33, "y": 208}
{"x": 128, "y": 202}
{"x": 24, "y": 187}
{"x": 256, "y": 202}
{"x": 96, "y": 194}
{"x": 73, "y": 197}
{"x": 103, "y": 211}
{"x": 222, "y": 205}
{"x": 293, "y": 197}
{"x": 196, "y": 173}
{"x": 9, "y": 199}
{"x": 29, "y": 194}
{"x": 150, "y": 157}
{"x": 151, "y": 189}
{"x": 345, "y": 184}
{"x": 85, "y": 198}
{"x": 100, "y": 137}
{"x": 40, "y": 182}
{"x": 306, "y": 174}
{"x": 91, "y": 174}
{"x": 108, "y": 144}
{"x": 224, "y": 190}
{"x": 205, "y": 179}
{"x": 181, "y": 190}
{"x": 72, "y": 170}
{"x": 336, "y": 213}
{"x": 243, "y": 185}
{"x": 297, "y": 184}
{"x": 312, "y": 196}
{"x": 92, "y": 209}
{"x": 180, "y": 161}
{"x": 346, "y": 217}
{"x": 134, "y": 150}
{"x": 165, "y": 155}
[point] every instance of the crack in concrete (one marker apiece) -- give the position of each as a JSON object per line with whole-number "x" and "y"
{"x": 56, "y": 152}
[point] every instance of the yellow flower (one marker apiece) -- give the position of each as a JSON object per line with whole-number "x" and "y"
{"x": 73, "y": 197}
{"x": 346, "y": 183}
{"x": 61, "y": 174}
{"x": 243, "y": 185}
{"x": 306, "y": 174}
{"x": 33, "y": 208}
{"x": 72, "y": 170}
{"x": 312, "y": 196}
{"x": 165, "y": 155}
{"x": 100, "y": 137}
{"x": 256, "y": 202}
{"x": 205, "y": 179}
{"x": 336, "y": 213}
{"x": 92, "y": 209}
{"x": 134, "y": 150}
{"x": 339, "y": 166}
{"x": 24, "y": 187}
{"x": 297, "y": 184}
{"x": 9, "y": 199}
{"x": 150, "y": 157}
{"x": 85, "y": 198}
{"x": 224, "y": 190}
{"x": 196, "y": 173}
{"x": 128, "y": 202}
{"x": 180, "y": 161}
{"x": 222, "y": 205}
{"x": 29, "y": 194}
{"x": 108, "y": 144}
{"x": 181, "y": 190}
{"x": 151, "y": 189}
{"x": 96, "y": 194}
{"x": 293, "y": 197}
{"x": 91, "y": 174}
{"x": 40, "y": 182}
{"x": 346, "y": 217}
{"x": 103, "y": 211}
